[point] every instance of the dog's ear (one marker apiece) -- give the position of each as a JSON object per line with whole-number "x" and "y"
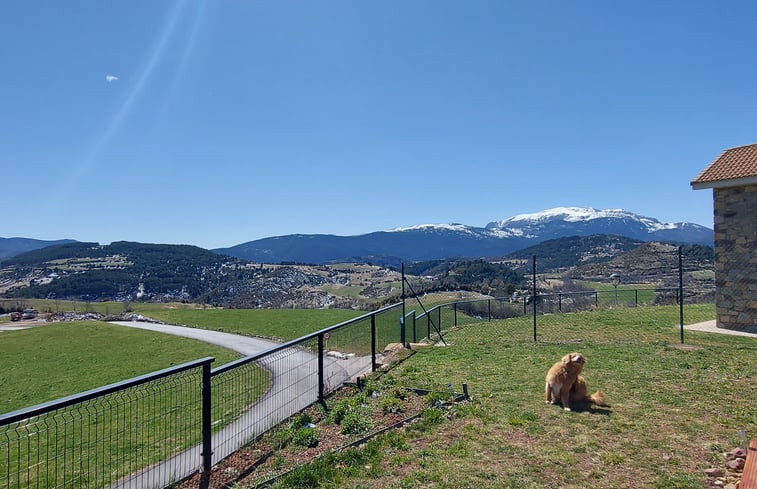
{"x": 566, "y": 358}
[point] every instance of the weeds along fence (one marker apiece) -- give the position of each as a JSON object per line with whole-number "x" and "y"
{"x": 153, "y": 430}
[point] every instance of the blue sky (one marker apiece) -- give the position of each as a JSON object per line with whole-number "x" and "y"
{"x": 214, "y": 123}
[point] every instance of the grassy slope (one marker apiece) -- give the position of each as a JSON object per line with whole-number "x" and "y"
{"x": 673, "y": 409}
{"x": 284, "y": 324}
{"x": 627, "y": 293}
{"x": 55, "y": 360}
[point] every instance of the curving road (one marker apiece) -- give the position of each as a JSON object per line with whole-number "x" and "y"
{"x": 294, "y": 386}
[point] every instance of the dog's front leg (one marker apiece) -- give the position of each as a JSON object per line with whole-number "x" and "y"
{"x": 565, "y": 397}
{"x": 548, "y": 393}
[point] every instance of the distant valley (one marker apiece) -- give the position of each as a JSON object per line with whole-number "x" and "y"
{"x": 315, "y": 271}
{"x": 127, "y": 272}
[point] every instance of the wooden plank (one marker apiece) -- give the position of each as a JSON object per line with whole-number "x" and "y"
{"x": 749, "y": 475}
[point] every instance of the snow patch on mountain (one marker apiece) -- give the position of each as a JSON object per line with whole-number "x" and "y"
{"x": 574, "y": 215}
{"x": 570, "y": 214}
{"x": 437, "y": 227}
{"x": 556, "y": 220}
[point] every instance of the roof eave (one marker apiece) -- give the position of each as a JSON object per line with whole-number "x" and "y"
{"x": 733, "y": 182}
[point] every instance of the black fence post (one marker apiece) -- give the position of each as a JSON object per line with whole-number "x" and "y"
{"x": 415, "y": 336}
{"x": 428, "y": 326}
{"x": 455, "y": 308}
{"x": 373, "y": 342}
{"x": 637, "y": 296}
{"x": 489, "y": 304}
{"x": 596, "y": 298}
{"x": 525, "y": 304}
{"x": 680, "y": 286}
{"x": 402, "y": 330}
{"x": 534, "y": 299}
{"x": 559, "y": 302}
{"x": 403, "y": 293}
{"x": 320, "y": 368}
{"x": 207, "y": 419}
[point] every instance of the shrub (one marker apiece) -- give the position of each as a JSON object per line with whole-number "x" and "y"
{"x": 437, "y": 398}
{"x": 355, "y": 422}
{"x": 345, "y": 406}
{"x": 392, "y": 405}
{"x": 281, "y": 438}
{"x": 299, "y": 421}
{"x": 430, "y": 417}
{"x": 307, "y": 437}
{"x": 371, "y": 387}
{"x": 399, "y": 393}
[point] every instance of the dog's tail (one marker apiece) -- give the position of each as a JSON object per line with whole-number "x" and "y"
{"x": 598, "y": 398}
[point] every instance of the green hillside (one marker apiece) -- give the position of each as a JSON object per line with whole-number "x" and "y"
{"x": 121, "y": 271}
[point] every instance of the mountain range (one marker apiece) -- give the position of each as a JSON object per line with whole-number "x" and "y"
{"x": 125, "y": 271}
{"x": 15, "y": 246}
{"x": 439, "y": 241}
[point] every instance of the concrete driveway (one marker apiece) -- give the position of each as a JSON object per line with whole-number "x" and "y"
{"x": 711, "y": 327}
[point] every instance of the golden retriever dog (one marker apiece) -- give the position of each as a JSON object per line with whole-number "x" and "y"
{"x": 561, "y": 377}
{"x": 565, "y": 383}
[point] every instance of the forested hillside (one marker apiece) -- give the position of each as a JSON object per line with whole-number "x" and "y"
{"x": 121, "y": 270}
{"x": 573, "y": 251}
{"x": 473, "y": 275}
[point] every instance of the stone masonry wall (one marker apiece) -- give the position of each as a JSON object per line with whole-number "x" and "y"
{"x": 736, "y": 257}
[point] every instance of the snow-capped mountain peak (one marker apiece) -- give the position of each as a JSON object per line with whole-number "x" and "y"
{"x": 564, "y": 221}
{"x": 578, "y": 214}
{"x": 569, "y": 214}
{"x": 580, "y": 220}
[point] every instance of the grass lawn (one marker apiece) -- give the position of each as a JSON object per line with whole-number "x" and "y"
{"x": 138, "y": 426}
{"x": 288, "y": 324}
{"x": 674, "y": 408}
{"x": 281, "y": 324}
{"x": 47, "y": 362}
{"x": 53, "y": 305}
{"x": 626, "y": 293}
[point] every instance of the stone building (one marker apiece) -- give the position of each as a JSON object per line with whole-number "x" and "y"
{"x": 732, "y": 176}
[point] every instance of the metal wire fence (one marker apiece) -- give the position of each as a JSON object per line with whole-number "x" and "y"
{"x": 100, "y": 437}
{"x": 159, "y": 428}
{"x": 655, "y": 292}
{"x": 519, "y": 323}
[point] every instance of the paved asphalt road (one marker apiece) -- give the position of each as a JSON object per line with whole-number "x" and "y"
{"x": 293, "y": 387}
{"x": 245, "y": 345}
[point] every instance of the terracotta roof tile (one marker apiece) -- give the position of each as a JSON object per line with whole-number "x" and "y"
{"x": 732, "y": 164}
